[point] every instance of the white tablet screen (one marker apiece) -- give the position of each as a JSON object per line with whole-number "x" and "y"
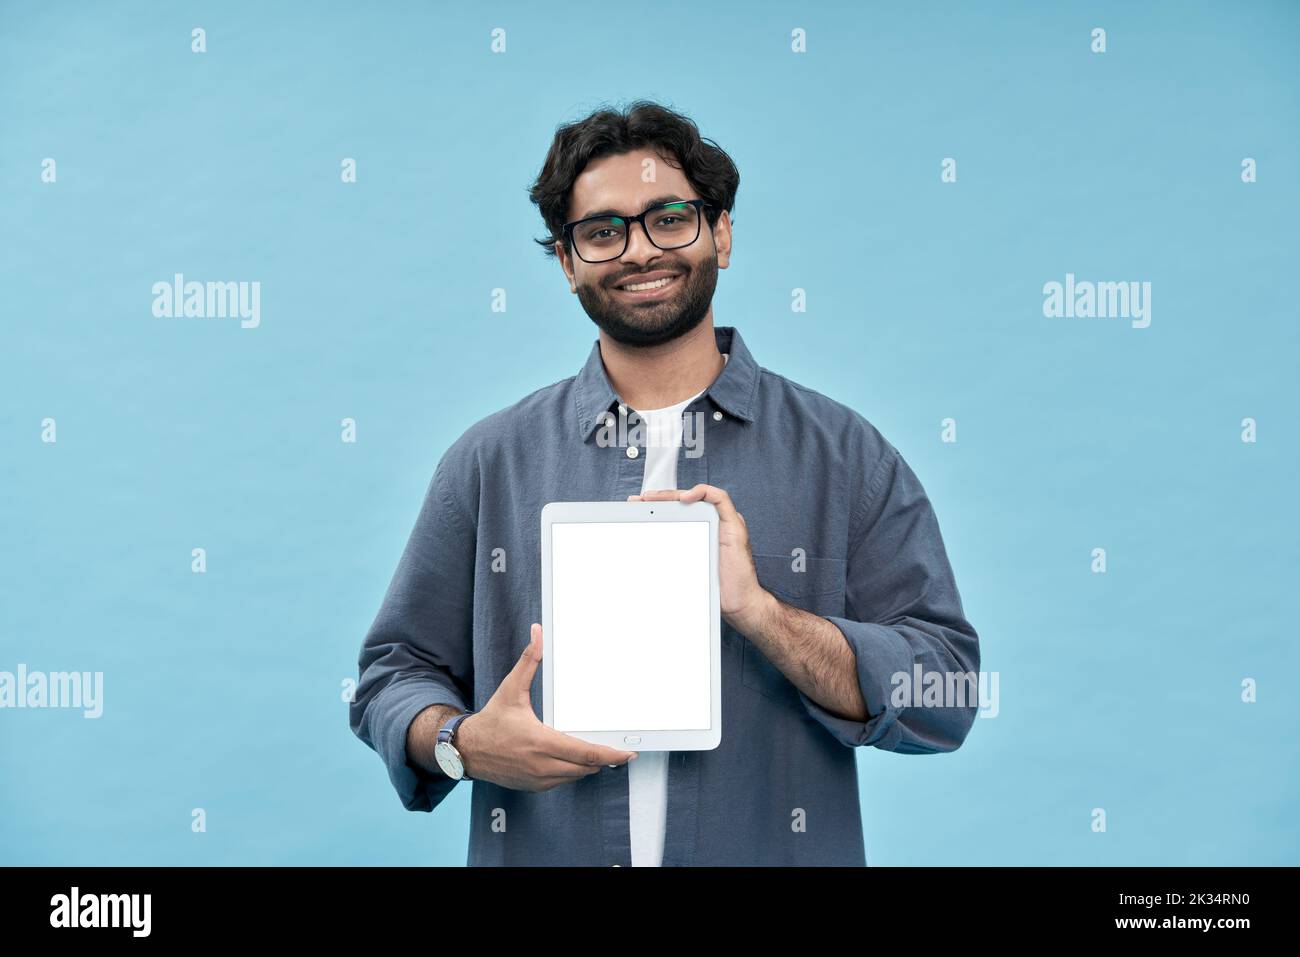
{"x": 630, "y": 612}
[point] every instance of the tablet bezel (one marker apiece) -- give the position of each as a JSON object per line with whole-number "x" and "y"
{"x": 638, "y": 739}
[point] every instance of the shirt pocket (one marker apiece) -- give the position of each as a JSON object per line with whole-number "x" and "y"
{"x": 818, "y": 589}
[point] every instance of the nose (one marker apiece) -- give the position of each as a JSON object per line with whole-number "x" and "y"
{"x": 639, "y": 248}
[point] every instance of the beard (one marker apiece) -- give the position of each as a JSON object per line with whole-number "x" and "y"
{"x": 653, "y": 323}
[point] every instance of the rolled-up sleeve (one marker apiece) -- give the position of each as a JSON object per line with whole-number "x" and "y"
{"x": 903, "y": 612}
{"x": 419, "y": 650}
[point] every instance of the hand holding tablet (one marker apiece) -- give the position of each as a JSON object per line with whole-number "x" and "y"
{"x": 505, "y": 743}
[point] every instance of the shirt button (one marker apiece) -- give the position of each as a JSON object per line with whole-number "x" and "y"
{"x": 717, "y": 416}
{"x": 633, "y": 451}
{"x": 609, "y": 421}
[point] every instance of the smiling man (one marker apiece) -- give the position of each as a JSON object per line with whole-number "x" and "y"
{"x": 833, "y": 571}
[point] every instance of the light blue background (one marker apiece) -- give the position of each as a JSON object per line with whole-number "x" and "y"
{"x": 223, "y": 690}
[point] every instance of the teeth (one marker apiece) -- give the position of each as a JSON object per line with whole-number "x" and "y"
{"x": 639, "y": 286}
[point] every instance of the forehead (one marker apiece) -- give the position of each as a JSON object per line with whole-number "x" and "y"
{"x": 624, "y": 183}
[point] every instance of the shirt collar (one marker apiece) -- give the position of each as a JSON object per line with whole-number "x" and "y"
{"x": 733, "y": 391}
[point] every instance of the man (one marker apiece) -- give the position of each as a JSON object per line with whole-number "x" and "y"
{"x": 834, "y": 579}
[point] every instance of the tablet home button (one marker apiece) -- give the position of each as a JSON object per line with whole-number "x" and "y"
{"x": 632, "y": 739}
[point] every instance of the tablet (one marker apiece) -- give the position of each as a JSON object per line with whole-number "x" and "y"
{"x": 631, "y": 626}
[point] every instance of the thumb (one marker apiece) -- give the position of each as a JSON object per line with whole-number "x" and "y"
{"x": 520, "y": 678}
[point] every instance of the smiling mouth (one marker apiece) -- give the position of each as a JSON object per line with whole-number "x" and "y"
{"x": 645, "y": 288}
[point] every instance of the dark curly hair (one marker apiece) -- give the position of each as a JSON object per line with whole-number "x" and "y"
{"x": 609, "y": 132}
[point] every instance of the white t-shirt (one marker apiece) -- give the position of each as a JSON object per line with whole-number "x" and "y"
{"x": 647, "y": 776}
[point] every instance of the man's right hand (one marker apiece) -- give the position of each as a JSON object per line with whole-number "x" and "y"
{"x": 505, "y": 743}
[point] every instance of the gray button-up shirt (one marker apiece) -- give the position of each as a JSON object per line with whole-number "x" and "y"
{"x": 839, "y": 525}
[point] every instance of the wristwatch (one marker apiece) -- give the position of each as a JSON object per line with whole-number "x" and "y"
{"x": 445, "y": 752}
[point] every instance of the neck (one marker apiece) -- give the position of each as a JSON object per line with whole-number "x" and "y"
{"x": 654, "y": 377}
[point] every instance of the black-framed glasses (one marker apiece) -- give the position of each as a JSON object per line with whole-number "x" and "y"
{"x": 598, "y": 239}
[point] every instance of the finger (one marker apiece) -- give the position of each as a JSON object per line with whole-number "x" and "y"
{"x": 707, "y": 493}
{"x": 634, "y": 498}
{"x": 714, "y": 496}
{"x": 661, "y": 495}
{"x": 557, "y": 744}
{"x": 547, "y": 783}
{"x": 564, "y": 770}
{"x": 520, "y": 678}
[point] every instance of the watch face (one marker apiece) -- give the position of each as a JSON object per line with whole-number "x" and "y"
{"x": 449, "y": 760}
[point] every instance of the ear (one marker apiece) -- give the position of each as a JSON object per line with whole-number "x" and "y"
{"x": 566, "y": 263}
{"x": 722, "y": 239}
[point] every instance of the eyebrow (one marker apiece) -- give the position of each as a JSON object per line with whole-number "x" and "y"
{"x": 657, "y": 201}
